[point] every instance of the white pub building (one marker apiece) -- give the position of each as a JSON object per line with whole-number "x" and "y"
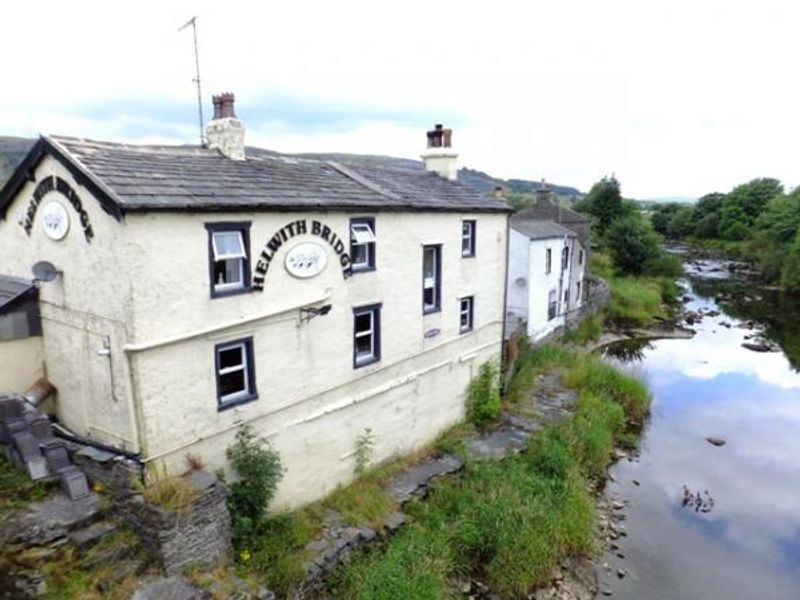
{"x": 196, "y": 289}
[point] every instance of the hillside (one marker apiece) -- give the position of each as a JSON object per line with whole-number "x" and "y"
{"x": 13, "y": 149}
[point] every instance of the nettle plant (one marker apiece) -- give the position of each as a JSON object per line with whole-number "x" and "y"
{"x": 365, "y": 446}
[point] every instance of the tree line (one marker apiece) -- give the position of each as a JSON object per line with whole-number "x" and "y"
{"x": 756, "y": 220}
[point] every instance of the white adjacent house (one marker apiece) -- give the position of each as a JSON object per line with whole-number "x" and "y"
{"x": 547, "y": 267}
{"x": 197, "y": 289}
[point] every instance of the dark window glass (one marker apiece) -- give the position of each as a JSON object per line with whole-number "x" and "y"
{"x": 431, "y": 278}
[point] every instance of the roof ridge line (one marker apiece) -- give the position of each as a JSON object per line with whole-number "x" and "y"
{"x": 360, "y": 179}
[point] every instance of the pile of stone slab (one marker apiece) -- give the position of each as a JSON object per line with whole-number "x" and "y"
{"x": 26, "y": 437}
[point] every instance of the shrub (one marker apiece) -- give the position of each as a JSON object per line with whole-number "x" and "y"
{"x": 634, "y": 302}
{"x": 259, "y": 469}
{"x": 483, "y": 396}
{"x": 364, "y": 447}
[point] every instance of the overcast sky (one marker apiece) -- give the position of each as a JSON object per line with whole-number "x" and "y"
{"x": 676, "y": 98}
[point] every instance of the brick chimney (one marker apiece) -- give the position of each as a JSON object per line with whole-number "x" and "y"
{"x": 225, "y": 132}
{"x": 440, "y": 157}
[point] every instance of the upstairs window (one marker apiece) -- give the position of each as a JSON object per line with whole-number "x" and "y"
{"x": 366, "y": 335}
{"x": 552, "y": 305}
{"x": 564, "y": 259}
{"x": 431, "y": 279}
{"x": 548, "y": 261}
{"x": 468, "y": 238}
{"x": 465, "y": 314}
{"x": 578, "y": 292}
{"x": 236, "y": 381}
{"x": 580, "y": 257}
{"x": 362, "y": 244}
{"x": 229, "y": 258}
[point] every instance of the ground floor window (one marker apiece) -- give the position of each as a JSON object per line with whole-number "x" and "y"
{"x": 236, "y": 381}
{"x": 578, "y": 292}
{"x": 465, "y": 314}
{"x": 552, "y": 302}
{"x": 366, "y": 335}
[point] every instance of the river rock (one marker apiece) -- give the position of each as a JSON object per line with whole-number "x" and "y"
{"x": 716, "y": 441}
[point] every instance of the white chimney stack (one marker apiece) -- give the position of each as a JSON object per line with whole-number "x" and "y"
{"x": 225, "y": 132}
{"x": 440, "y": 156}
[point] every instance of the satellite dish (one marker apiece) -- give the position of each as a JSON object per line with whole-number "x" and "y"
{"x": 520, "y": 281}
{"x": 45, "y": 271}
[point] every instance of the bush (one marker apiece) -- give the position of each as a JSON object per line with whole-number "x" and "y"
{"x": 483, "y": 396}
{"x": 634, "y": 302}
{"x": 632, "y": 244}
{"x": 259, "y": 469}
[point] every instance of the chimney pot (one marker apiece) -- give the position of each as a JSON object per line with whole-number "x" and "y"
{"x": 225, "y": 132}
{"x": 439, "y": 156}
{"x": 498, "y": 192}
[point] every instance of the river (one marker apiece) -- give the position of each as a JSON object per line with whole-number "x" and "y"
{"x": 708, "y": 522}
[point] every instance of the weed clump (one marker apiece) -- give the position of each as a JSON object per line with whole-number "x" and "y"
{"x": 483, "y": 396}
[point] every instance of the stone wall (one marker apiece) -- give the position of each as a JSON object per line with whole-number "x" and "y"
{"x": 198, "y": 535}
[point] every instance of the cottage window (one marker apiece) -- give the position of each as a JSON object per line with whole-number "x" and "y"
{"x": 362, "y": 244}
{"x": 580, "y": 257}
{"x": 548, "y": 261}
{"x": 578, "y": 292}
{"x": 235, "y": 373}
{"x": 465, "y": 314}
{"x": 566, "y": 299}
{"x": 552, "y": 303}
{"x": 366, "y": 335}
{"x": 564, "y": 259}
{"x": 431, "y": 278}
{"x": 468, "y": 238}
{"x": 229, "y": 258}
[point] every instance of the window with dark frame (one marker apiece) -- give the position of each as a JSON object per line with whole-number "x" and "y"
{"x": 366, "y": 335}
{"x": 431, "y": 279}
{"x": 578, "y": 292}
{"x": 235, "y": 373}
{"x": 580, "y": 257}
{"x": 362, "y": 244}
{"x": 229, "y": 258}
{"x": 552, "y": 305}
{"x": 466, "y": 309}
{"x": 548, "y": 261}
{"x": 566, "y": 299}
{"x": 564, "y": 259}
{"x": 468, "y": 229}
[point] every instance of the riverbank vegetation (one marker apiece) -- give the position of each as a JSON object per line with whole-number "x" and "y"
{"x": 508, "y": 523}
{"x": 756, "y": 221}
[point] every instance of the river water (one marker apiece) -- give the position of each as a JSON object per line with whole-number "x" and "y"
{"x": 741, "y": 539}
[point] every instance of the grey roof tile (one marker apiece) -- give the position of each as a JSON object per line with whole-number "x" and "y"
{"x": 143, "y": 178}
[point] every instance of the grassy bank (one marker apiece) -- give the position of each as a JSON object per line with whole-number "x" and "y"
{"x": 510, "y": 522}
{"x": 635, "y": 302}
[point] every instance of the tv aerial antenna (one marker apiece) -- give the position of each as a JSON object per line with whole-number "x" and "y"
{"x": 193, "y": 23}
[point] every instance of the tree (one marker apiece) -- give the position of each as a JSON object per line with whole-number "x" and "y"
{"x": 604, "y": 203}
{"x": 742, "y": 206}
{"x": 790, "y": 276}
{"x": 633, "y": 245}
{"x": 662, "y": 215}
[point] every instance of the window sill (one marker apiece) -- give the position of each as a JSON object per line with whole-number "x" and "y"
{"x": 236, "y": 402}
{"x": 463, "y": 331}
{"x": 473, "y": 255}
{"x": 365, "y": 362}
{"x": 430, "y": 311}
{"x": 355, "y": 270}
{"x": 230, "y": 292}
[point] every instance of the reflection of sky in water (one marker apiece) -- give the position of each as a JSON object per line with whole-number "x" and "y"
{"x": 748, "y": 546}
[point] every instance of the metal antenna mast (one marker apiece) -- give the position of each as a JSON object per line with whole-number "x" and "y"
{"x": 193, "y": 23}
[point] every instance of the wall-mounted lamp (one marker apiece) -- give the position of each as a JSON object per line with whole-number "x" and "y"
{"x": 306, "y": 314}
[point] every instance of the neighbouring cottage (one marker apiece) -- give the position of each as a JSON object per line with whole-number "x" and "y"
{"x": 184, "y": 291}
{"x": 548, "y": 251}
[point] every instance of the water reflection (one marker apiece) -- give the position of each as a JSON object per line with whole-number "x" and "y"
{"x": 748, "y": 546}
{"x": 627, "y": 350}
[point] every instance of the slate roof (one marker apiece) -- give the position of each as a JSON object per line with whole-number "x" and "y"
{"x": 544, "y": 208}
{"x": 13, "y": 289}
{"x": 537, "y": 230}
{"x": 129, "y": 178}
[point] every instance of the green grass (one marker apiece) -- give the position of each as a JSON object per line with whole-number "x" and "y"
{"x": 589, "y": 330}
{"x": 634, "y": 301}
{"x": 16, "y": 487}
{"x": 510, "y": 522}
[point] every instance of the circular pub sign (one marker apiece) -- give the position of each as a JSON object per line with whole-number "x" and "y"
{"x": 55, "y": 220}
{"x": 306, "y": 260}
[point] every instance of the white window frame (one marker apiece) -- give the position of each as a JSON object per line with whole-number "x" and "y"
{"x": 245, "y": 367}
{"x": 468, "y": 237}
{"x": 466, "y": 308}
{"x": 363, "y": 234}
{"x": 238, "y": 234}
{"x": 373, "y": 332}
{"x": 434, "y": 282}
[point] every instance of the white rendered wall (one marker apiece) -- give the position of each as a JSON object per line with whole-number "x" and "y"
{"x": 518, "y": 284}
{"x": 312, "y": 403}
{"x": 21, "y": 364}
{"x": 86, "y": 308}
{"x": 541, "y": 283}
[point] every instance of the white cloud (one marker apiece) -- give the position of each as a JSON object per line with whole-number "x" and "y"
{"x": 677, "y": 99}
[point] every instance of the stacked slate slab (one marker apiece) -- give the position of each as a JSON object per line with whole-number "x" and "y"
{"x": 26, "y": 437}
